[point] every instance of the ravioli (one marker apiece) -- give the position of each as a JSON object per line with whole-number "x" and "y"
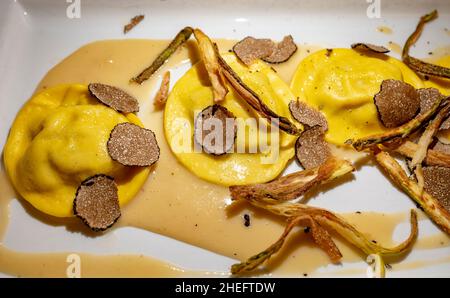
{"x": 341, "y": 83}
{"x": 192, "y": 93}
{"x": 58, "y": 140}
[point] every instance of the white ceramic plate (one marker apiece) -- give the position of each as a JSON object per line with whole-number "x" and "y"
{"x": 37, "y": 34}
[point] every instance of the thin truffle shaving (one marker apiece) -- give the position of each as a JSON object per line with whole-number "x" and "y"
{"x": 429, "y": 204}
{"x": 370, "y": 47}
{"x": 132, "y": 145}
{"x": 224, "y": 124}
{"x": 398, "y": 132}
{"x": 249, "y": 49}
{"x": 179, "y": 39}
{"x": 282, "y": 51}
{"x": 114, "y": 97}
{"x": 437, "y": 183}
{"x": 253, "y": 99}
{"x": 307, "y": 115}
{"x": 419, "y": 65}
{"x": 311, "y": 149}
{"x": 211, "y": 62}
{"x": 397, "y": 103}
{"x": 428, "y": 97}
{"x": 97, "y": 202}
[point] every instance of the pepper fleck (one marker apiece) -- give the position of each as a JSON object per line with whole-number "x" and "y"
{"x": 246, "y": 220}
{"x": 419, "y": 207}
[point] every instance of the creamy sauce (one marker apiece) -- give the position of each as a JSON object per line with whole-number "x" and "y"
{"x": 395, "y": 47}
{"x": 439, "y": 52}
{"x": 384, "y": 29}
{"x": 174, "y": 202}
{"x": 421, "y": 263}
{"x": 433, "y": 241}
{"x": 56, "y": 265}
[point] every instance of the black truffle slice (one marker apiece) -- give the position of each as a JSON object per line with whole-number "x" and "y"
{"x": 114, "y": 97}
{"x": 311, "y": 149}
{"x": 397, "y": 103}
{"x": 215, "y": 130}
{"x": 428, "y": 96}
{"x": 307, "y": 115}
{"x": 283, "y": 51}
{"x": 249, "y": 49}
{"x": 437, "y": 183}
{"x": 97, "y": 202}
{"x": 132, "y": 145}
{"x": 369, "y": 47}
